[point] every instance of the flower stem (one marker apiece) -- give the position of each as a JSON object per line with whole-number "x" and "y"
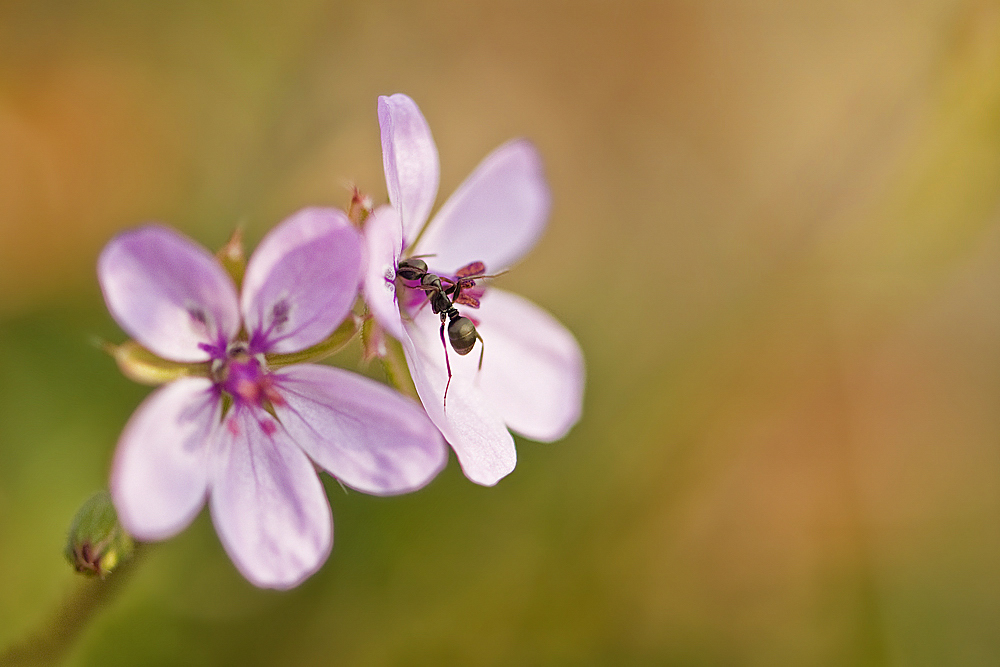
{"x": 48, "y": 644}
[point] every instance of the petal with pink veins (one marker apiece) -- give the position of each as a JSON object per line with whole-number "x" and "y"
{"x": 384, "y": 245}
{"x": 533, "y": 370}
{"x": 496, "y": 216}
{"x": 363, "y": 433}
{"x": 267, "y": 503}
{"x": 159, "y": 476}
{"x": 410, "y": 159}
{"x": 301, "y": 281}
{"x": 472, "y": 426}
{"x": 168, "y": 293}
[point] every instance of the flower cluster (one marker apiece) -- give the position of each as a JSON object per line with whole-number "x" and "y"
{"x": 243, "y": 419}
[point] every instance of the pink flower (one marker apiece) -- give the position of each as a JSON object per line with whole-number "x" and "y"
{"x": 532, "y": 375}
{"x": 246, "y": 436}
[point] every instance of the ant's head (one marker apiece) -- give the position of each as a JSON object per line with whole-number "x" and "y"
{"x": 411, "y": 269}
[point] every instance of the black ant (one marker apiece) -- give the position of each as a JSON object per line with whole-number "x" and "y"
{"x": 461, "y": 330}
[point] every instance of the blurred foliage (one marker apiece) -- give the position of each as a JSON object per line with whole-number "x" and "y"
{"x": 775, "y": 234}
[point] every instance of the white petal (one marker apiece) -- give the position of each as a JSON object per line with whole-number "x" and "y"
{"x": 367, "y": 435}
{"x": 267, "y": 503}
{"x": 302, "y": 280}
{"x": 410, "y": 159}
{"x": 168, "y": 293}
{"x": 384, "y": 243}
{"x": 533, "y": 371}
{"x": 160, "y": 471}
{"x": 473, "y": 427}
{"x": 495, "y": 217}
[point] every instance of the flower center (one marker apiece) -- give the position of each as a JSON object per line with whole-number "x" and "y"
{"x": 245, "y": 379}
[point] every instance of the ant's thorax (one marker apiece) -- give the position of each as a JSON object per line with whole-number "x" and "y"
{"x": 412, "y": 296}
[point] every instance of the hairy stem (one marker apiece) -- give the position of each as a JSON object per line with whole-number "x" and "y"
{"x": 49, "y": 643}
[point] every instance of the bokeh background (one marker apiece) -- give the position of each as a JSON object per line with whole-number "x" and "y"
{"x": 776, "y": 235}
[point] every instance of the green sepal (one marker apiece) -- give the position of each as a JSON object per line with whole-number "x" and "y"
{"x": 332, "y": 344}
{"x": 373, "y": 339}
{"x": 142, "y": 366}
{"x": 233, "y": 257}
{"x": 396, "y": 369}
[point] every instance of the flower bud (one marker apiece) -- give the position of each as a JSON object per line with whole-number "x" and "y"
{"x": 97, "y": 543}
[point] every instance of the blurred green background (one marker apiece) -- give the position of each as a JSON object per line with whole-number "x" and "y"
{"x": 776, "y": 234}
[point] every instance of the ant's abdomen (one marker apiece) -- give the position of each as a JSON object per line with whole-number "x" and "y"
{"x": 462, "y": 334}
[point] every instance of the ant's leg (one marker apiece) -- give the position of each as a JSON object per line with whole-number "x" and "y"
{"x": 454, "y": 289}
{"x": 482, "y": 350}
{"x": 447, "y": 364}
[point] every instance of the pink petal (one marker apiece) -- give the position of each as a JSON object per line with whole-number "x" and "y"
{"x": 384, "y": 245}
{"x": 533, "y": 370}
{"x": 168, "y": 293}
{"x": 160, "y": 470}
{"x": 267, "y": 503}
{"x": 302, "y": 280}
{"x": 472, "y": 426}
{"x": 365, "y": 434}
{"x": 410, "y": 159}
{"x": 495, "y": 216}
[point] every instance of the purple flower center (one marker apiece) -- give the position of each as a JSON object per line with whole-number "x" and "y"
{"x": 246, "y": 380}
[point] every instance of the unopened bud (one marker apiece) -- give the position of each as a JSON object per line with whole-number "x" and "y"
{"x": 97, "y": 542}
